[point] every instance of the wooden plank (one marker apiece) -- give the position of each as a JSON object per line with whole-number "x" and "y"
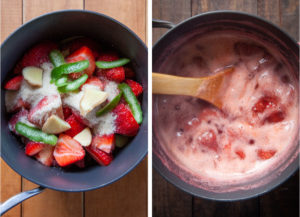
{"x": 169, "y": 201}
{"x": 33, "y": 8}
{"x": 269, "y": 9}
{"x": 284, "y": 201}
{"x": 290, "y": 17}
{"x": 170, "y": 10}
{"x": 132, "y": 13}
{"x": 200, "y": 6}
{"x": 60, "y": 203}
{"x": 127, "y": 197}
{"x": 11, "y": 18}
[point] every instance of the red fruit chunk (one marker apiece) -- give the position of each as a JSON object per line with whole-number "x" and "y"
{"x": 38, "y": 54}
{"x": 129, "y": 73}
{"x": 115, "y": 74}
{"x": 264, "y": 103}
{"x": 94, "y": 81}
{"x": 14, "y": 83}
{"x": 136, "y": 88}
{"x": 48, "y": 106}
{"x": 111, "y": 56}
{"x": 208, "y": 139}
{"x": 84, "y": 53}
{"x": 18, "y": 68}
{"x": 67, "y": 151}
{"x": 98, "y": 155}
{"x": 45, "y": 156}
{"x": 125, "y": 122}
{"x": 105, "y": 143}
{"x": 275, "y": 117}
{"x": 76, "y": 126}
{"x": 67, "y": 112}
{"x": 241, "y": 154}
{"x": 265, "y": 154}
{"x": 21, "y": 115}
{"x": 33, "y": 148}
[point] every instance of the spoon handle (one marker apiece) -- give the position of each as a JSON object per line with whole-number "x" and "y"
{"x": 175, "y": 85}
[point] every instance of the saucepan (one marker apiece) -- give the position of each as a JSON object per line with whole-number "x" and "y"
{"x": 57, "y": 26}
{"x": 180, "y": 35}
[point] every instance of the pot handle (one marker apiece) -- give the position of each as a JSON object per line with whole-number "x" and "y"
{"x": 15, "y": 200}
{"x": 162, "y": 24}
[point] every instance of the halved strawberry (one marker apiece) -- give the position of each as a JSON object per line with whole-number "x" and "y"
{"x": 94, "y": 81}
{"x": 67, "y": 112}
{"x": 84, "y": 53}
{"x": 38, "y": 54}
{"x": 108, "y": 56}
{"x": 76, "y": 126}
{"x": 265, "y": 154}
{"x": 18, "y": 68}
{"x": 208, "y": 139}
{"x": 265, "y": 102}
{"x": 45, "y": 156}
{"x": 129, "y": 73}
{"x": 46, "y": 107}
{"x": 105, "y": 143}
{"x": 275, "y": 117}
{"x": 125, "y": 122}
{"x": 77, "y": 43}
{"x": 100, "y": 156}
{"x": 20, "y": 116}
{"x": 14, "y": 83}
{"x": 68, "y": 151}
{"x": 114, "y": 74}
{"x": 33, "y": 148}
{"x": 136, "y": 88}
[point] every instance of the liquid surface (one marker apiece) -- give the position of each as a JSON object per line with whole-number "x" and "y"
{"x": 257, "y": 125}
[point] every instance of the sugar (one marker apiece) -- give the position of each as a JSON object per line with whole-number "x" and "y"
{"x": 112, "y": 89}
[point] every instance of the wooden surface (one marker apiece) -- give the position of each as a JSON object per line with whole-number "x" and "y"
{"x": 128, "y": 196}
{"x": 168, "y": 201}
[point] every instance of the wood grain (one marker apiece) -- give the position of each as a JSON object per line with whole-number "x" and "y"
{"x": 126, "y": 197}
{"x": 130, "y": 12}
{"x": 269, "y": 9}
{"x": 11, "y": 18}
{"x": 61, "y": 203}
{"x": 289, "y": 10}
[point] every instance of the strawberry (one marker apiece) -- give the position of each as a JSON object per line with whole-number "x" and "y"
{"x": 77, "y": 43}
{"x": 45, "y": 156}
{"x": 208, "y": 139}
{"x": 241, "y": 154}
{"x": 265, "y": 154}
{"x": 46, "y": 107}
{"x": 38, "y": 54}
{"x": 14, "y": 102}
{"x": 94, "y": 81}
{"x": 129, "y": 73}
{"x": 105, "y": 143}
{"x": 275, "y": 117}
{"x": 76, "y": 126}
{"x": 125, "y": 122}
{"x": 264, "y": 103}
{"x": 18, "y": 68}
{"x": 100, "y": 156}
{"x": 14, "y": 83}
{"x": 67, "y": 112}
{"x": 20, "y": 116}
{"x": 67, "y": 151}
{"x": 109, "y": 56}
{"x": 136, "y": 88}
{"x": 84, "y": 53}
{"x": 33, "y": 148}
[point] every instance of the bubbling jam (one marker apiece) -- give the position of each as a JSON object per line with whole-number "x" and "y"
{"x": 257, "y": 125}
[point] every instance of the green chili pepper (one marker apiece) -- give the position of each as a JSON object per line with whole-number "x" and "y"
{"x": 69, "y": 68}
{"x": 35, "y": 134}
{"x": 57, "y": 59}
{"x": 121, "y": 140}
{"x": 112, "y": 64}
{"x": 132, "y": 102}
{"x": 108, "y": 107}
{"x": 63, "y": 81}
{"x": 73, "y": 85}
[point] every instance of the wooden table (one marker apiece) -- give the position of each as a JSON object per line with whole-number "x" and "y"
{"x": 168, "y": 201}
{"x": 128, "y": 196}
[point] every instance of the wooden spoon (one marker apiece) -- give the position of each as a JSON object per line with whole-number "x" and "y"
{"x": 207, "y": 88}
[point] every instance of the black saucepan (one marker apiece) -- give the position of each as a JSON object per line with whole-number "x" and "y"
{"x": 57, "y": 26}
{"x": 180, "y": 35}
